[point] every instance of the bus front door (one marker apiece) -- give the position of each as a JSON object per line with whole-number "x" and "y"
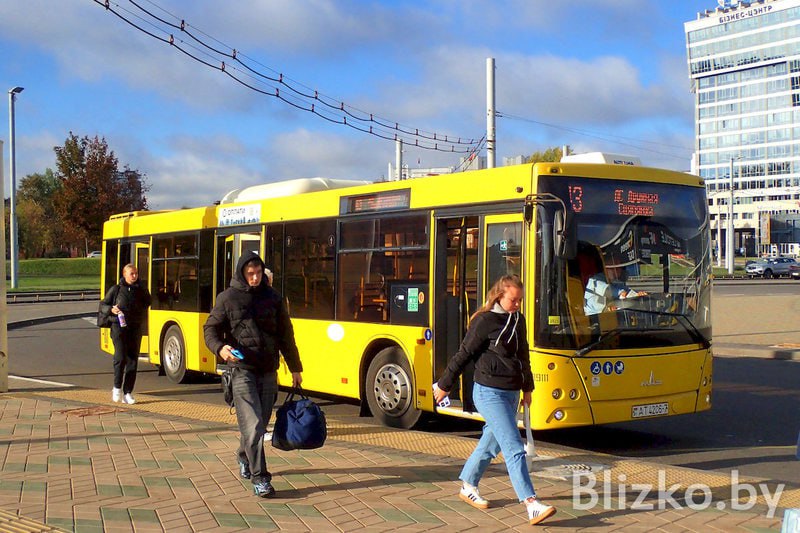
{"x": 471, "y": 254}
{"x": 456, "y": 295}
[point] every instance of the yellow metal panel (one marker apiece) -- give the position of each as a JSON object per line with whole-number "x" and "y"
{"x": 606, "y": 412}
{"x": 332, "y": 353}
{"x": 642, "y": 377}
{"x": 198, "y": 357}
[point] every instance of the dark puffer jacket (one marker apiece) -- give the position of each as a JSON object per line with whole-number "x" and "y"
{"x": 253, "y": 320}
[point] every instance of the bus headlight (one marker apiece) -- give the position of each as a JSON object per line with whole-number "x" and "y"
{"x": 559, "y": 415}
{"x": 573, "y": 394}
{"x": 708, "y": 399}
{"x": 556, "y": 394}
{"x": 705, "y": 381}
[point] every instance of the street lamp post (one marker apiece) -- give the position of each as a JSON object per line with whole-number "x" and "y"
{"x": 12, "y": 96}
{"x": 729, "y": 254}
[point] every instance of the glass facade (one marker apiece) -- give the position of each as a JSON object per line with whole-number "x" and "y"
{"x": 744, "y": 65}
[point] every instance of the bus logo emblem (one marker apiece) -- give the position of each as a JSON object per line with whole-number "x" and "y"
{"x": 652, "y": 381}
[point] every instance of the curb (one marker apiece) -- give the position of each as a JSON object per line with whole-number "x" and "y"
{"x": 44, "y": 320}
{"x": 753, "y": 350}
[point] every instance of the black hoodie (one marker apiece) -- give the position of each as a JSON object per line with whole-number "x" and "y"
{"x": 255, "y": 321}
{"x": 497, "y": 342}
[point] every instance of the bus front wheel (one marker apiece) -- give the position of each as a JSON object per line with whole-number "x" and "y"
{"x": 390, "y": 390}
{"x": 173, "y": 355}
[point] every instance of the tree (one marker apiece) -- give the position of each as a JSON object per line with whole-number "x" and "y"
{"x": 551, "y": 155}
{"x": 93, "y": 188}
{"x": 40, "y": 231}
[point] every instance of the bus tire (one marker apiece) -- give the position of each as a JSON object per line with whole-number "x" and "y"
{"x": 173, "y": 355}
{"x": 389, "y": 388}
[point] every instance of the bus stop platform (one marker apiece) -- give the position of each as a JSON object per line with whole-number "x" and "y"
{"x": 71, "y": 460}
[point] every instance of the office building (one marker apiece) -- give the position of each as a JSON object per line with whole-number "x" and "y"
{"x": 744, "y": 66}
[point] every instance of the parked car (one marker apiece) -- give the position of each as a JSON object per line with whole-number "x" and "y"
{"x": 96, "y": 253}
{"x": 773, "y": 267}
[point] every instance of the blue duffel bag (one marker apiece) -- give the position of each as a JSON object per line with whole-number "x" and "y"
{"x": 299, "y": 424}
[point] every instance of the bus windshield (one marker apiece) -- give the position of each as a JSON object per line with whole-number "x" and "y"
{"x": 636, "y": 273}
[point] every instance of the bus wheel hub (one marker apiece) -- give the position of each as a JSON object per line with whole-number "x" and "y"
{"x": 392, "y": 389}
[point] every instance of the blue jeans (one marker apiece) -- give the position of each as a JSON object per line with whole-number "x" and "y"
{"x": 253, "y": 398}
{"x": 499, "y": 408}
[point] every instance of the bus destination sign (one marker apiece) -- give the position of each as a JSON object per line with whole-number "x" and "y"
{"x": 379, "y": 201}
{"x": 243, "y": 214}
{"x": 628, "y": 202}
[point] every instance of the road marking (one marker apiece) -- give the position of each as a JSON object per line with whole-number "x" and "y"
{"x": 42, "y": 381}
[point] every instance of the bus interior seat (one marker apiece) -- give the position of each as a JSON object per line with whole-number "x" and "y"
{"x": 589, "y": 261}
{"x": 371, "y": 296}
{"x": 586, "y": 264}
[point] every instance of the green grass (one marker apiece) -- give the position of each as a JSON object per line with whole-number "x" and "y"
{"x": 56, "y": 274}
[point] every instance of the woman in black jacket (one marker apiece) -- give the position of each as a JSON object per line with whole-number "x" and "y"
{"x": 496, "y": 342}
{"x": 129, "y": 302}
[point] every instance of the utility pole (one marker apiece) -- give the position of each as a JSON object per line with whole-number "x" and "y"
{"x": 398, "y": 158}
{"x": 490, "y": 115}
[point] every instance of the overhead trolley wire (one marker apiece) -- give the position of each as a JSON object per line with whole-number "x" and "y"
{"x": 604, "y": 137}
{"x": 329, "y": 109}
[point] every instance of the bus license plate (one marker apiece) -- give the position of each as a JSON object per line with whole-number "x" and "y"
{"x": 651, "y": 409}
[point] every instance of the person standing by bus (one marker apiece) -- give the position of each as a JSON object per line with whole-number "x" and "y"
{"x": 496, "y": 342}
{"x": 129, "y": 302}
{"x": 249, "y": 327}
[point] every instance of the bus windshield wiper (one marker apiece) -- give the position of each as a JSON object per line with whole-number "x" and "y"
{"x": 610, "y": 334}
{"x": 687, "y": 324}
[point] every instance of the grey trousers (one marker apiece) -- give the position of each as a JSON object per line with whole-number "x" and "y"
{"x": 253, "y": 398}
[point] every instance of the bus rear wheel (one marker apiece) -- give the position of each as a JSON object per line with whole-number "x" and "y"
{"x": 173, "y": 355}
{"x": 389, "y": 388}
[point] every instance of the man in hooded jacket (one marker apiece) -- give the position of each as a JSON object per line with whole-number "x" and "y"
{"x": 250, "y": 317}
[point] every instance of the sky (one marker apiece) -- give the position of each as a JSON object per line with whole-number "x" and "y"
{"x": 598, "y": 75}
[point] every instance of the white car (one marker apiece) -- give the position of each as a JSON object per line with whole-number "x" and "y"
{"x": 96, "y": 253}
{"x": 772, "y": 268}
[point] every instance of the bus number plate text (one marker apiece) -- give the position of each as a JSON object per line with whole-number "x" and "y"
{"x": 651, "y": 409}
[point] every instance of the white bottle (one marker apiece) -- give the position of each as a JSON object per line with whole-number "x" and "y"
{"x": 122, "y": 321}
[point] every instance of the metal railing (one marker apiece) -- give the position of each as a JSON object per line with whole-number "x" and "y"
{"x": 52, "y": 296}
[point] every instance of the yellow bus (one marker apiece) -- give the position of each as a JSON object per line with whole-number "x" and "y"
{"x": 381, "y": 279}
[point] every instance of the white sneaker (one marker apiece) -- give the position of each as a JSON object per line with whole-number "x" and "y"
{"x": 471, "y": 495}
{"x": 537, "y": 511}
{"x": 128, "y": 398}
{"x": 116, "y": 395}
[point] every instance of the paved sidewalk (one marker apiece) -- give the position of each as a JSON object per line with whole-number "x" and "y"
{"x": 70, "y": 460}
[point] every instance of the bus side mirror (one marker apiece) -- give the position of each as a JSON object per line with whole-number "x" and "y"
{"x": 565, "y": 243}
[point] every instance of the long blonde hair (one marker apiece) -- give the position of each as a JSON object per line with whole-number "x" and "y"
{"x": 497, "y": 291}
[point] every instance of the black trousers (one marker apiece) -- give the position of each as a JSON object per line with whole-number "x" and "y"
{"x": 127, "y": 342}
